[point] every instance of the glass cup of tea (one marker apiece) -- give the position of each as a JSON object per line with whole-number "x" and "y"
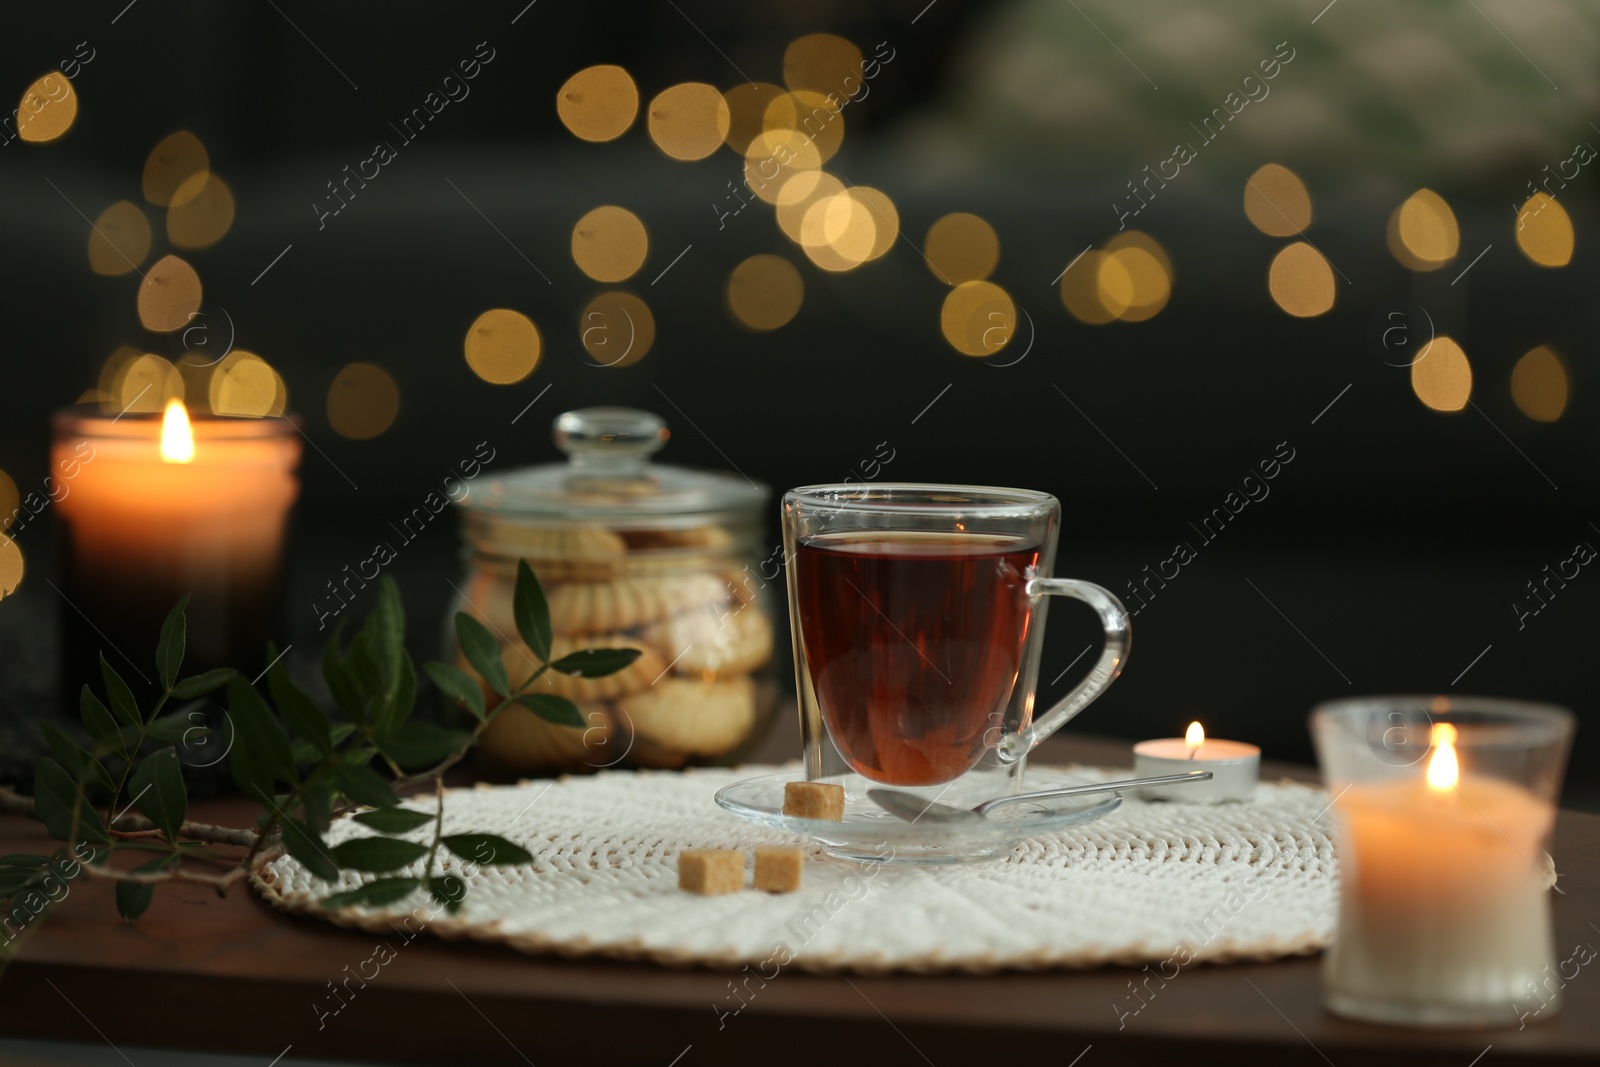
{"x": 918, "y": 614}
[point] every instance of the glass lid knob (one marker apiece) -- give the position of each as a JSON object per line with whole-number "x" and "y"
{"x": 618, "y": 440}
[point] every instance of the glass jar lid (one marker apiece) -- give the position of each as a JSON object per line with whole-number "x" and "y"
{"x": 608, "y": 478}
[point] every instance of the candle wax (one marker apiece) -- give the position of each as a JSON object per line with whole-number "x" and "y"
{"x": 1441, "y": 901}
{"x": 139, "y": 533}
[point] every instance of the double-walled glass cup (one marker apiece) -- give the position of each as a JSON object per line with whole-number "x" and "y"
{"x": 918, "y": 614}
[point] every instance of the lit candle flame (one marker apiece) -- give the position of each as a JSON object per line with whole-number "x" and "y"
{"x": 1443, "y": 768}
{"x": 177, "y": 436}
{"x": 1194, "y": 737}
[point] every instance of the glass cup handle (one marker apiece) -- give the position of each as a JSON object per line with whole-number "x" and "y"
{"x": 1114, "y": 617}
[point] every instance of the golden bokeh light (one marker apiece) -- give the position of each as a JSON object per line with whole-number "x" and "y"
{"x": 1544, "y": 231}
{"x": 1136, "y": 276}
{"x": 1089, "y": 282}
{"x": 1441, "y": 376}
{"x": 885, "y": 218}
{"x": 362, "y": 401}
{"x": 689, "y": 121}
{"x": 1276, "y": 201}
{"x": 747, "y": 112}
{"x": 145, "y": 383}
{"x": 1301, "y": 281}
{"x": 765, "y": 292}
{"x": 809, "y": 115}
{"x": 774, "y": 158}
{"x": 820, "y": 63}
{"x": 978, "y": 318}
{"x": 1422, "y": 232}
{"x": 202, "y": 219}
{"x": 799, "y": 193}
{"x": 838, "y": 233}
{"x": 617, "y": 329}
{"x": 10, "y": 500}
{"x": 243, "y": 384}
{"x": 176, "y": 169}
{"x": 11, "y": 566}
{"x": 1539, "y": 385}
{"x": 119, "y": 239}
{"x": 609, "y": 244}
{"x": 598, "y": 103}
{"x": 503, "y": 346}
{"x": 47, "y": 108}
{"x": 961, "y": 247}
{"x": 111, "y": 370}
{"x": 169, "y": 296}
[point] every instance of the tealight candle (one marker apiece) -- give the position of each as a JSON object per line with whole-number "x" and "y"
{"x": 1234, "y": 766}
{"x": 158, "y": 507}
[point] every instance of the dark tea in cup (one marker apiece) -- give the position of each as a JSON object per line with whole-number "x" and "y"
{"x": 915, "y": 641}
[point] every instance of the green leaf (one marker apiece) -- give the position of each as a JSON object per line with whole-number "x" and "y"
{"x": 363, "y": 670}
{"x": 200, "y": 684}
{"x": 422, "y": 743}
{"x": 374, "y": 894}
{"x": 341, "y": 731}
{"x": 532, "y": 612}
{"x": 23, "y": 859}
{"x": 307, "y": 846}
{"x": 98, "y": 721}
{"x": 553, "y": 709}
{"x": 159, "y": 792}
{"x": 393, "y": 820}
{"x": 447, "y": 890}
{"x": 297, "y": 708}
{"x": 385, "y": 631}
{"x": 377, "y": 854}
{"x": 134, "y": 897}
{"x": 261, "y": 749}
{"x": 82, "y": 765}
{"x": 337, "y": 675}
{"x": 403, "y": 698}
{"x": 169, "y": 650}
{"x": 457, "y": 685}
{"x": 122, "y": 701}
{"x": 179, "y": 728}
{"x": 482, "y": 651}
{"x": 15, "y": 879}
{"x": 54, "y": 793}
{"x": 363, "y": 785}
{"x": 596, "y": 662}
{"x": 317, "y": 800}
{"x": 486, "y": 849}
{"x": 396, "y": 707}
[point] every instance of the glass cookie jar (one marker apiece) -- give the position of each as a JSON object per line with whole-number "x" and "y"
{"x": 631, "y": 554}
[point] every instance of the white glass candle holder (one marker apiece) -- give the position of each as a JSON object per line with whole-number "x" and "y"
{"x": 1444, "y": 805}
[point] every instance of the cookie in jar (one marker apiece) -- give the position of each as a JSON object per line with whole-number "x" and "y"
{"x": 629, "y": 554}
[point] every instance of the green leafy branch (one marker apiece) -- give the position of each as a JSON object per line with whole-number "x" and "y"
{"x": 304, "y": 764}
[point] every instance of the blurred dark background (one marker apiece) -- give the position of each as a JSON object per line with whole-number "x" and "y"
{"x": 1389, "y": 552}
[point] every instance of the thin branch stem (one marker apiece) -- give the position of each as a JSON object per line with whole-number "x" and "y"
{"x": 219, "y": 882}
{"x": 13, "y": 803}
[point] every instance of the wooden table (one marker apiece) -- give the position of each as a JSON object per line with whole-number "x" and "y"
{"x": 233, "y": 975}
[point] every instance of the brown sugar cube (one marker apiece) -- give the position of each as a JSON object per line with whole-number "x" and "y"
{"x": 709, "y": 871}
{"x": 778, "y": 868}
{"x": 814, "y": 800}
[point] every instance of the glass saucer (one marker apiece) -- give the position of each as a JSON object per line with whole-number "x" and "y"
{"x": 870, "y": 834}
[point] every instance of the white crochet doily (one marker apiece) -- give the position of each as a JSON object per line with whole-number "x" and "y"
{"x": 1151, "y": 882}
